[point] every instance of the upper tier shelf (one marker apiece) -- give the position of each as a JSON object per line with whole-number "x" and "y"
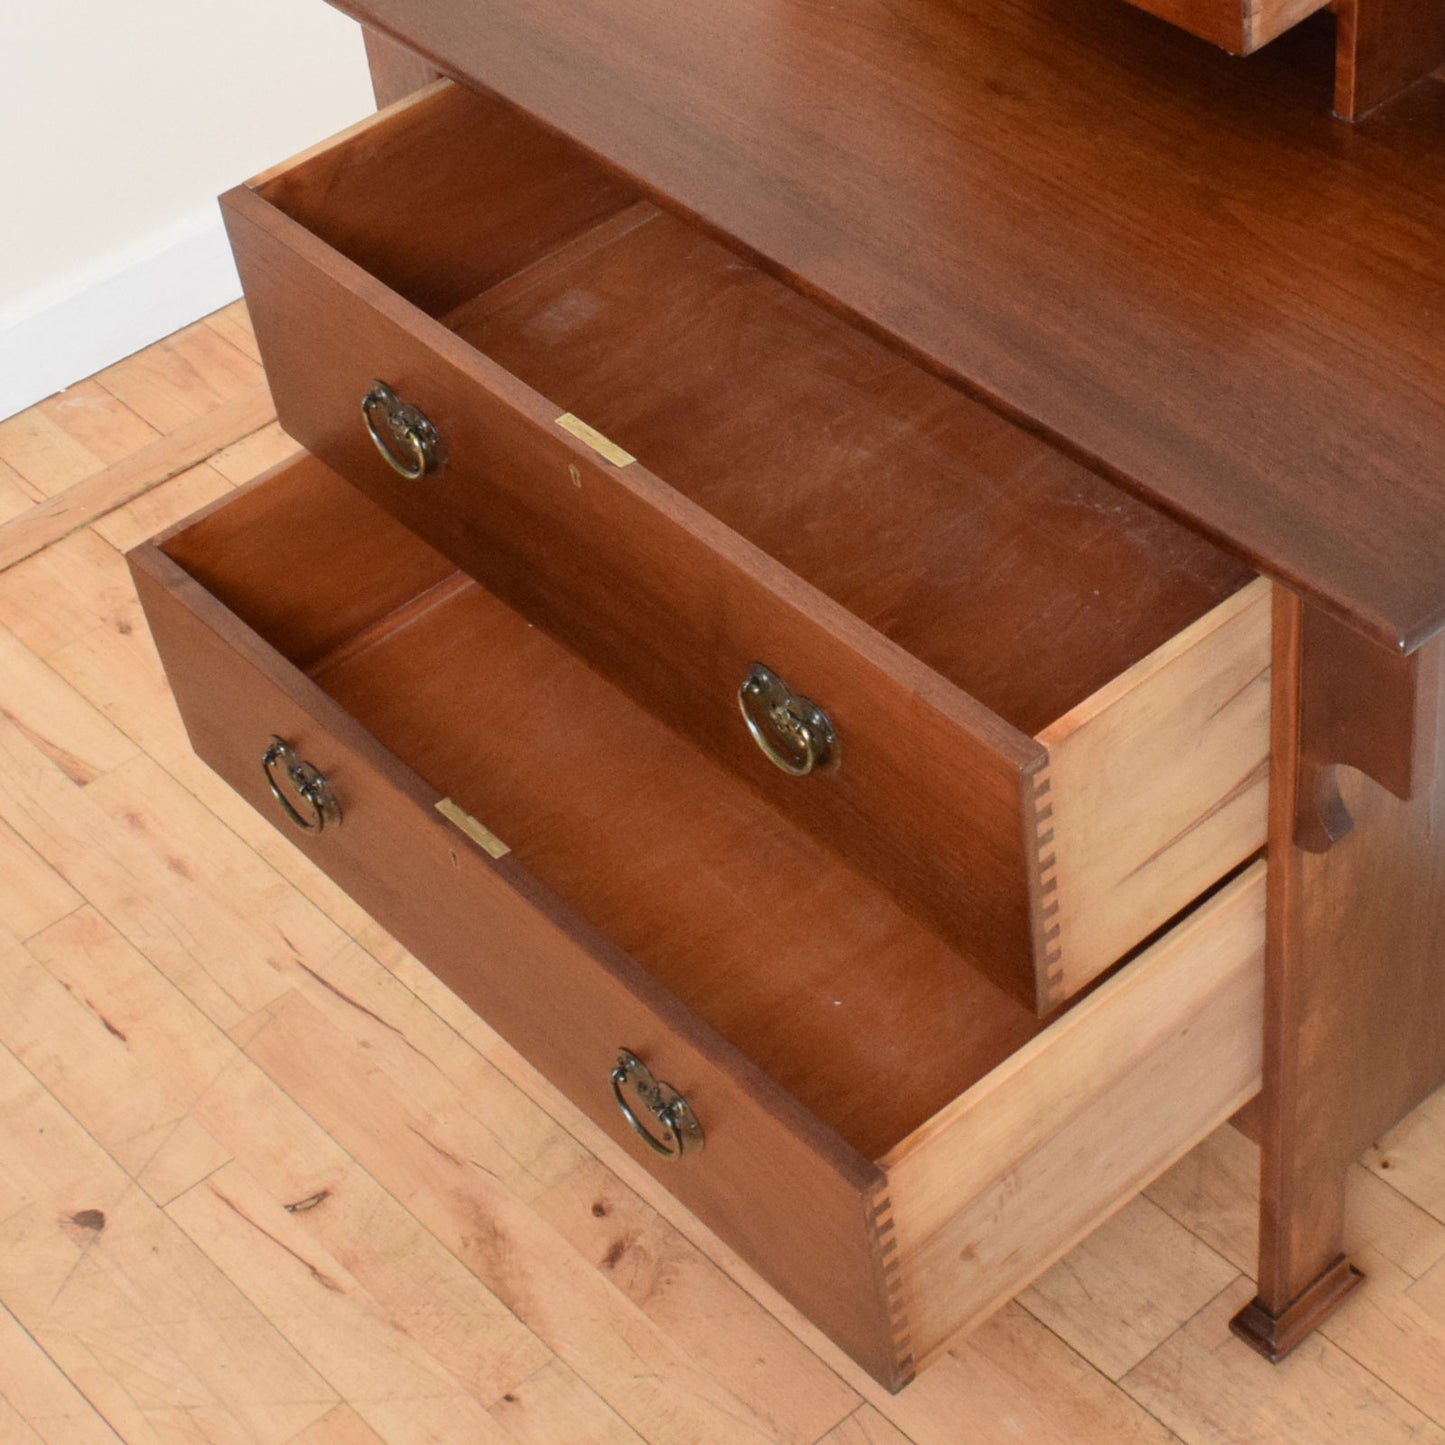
{"x": 1170, "y": 261}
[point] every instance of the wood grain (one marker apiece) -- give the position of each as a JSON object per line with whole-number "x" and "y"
{"x": 1178, "y": 266}
{"x": 1034, "y": 1156}
{"x": 341, "y": 1426}
{"x": 1358, "y": 920}
{"x": 32, "y": 893}
{"x": 16, "y": 495}
{"x": 589, "y": 1010}
{"x": 38, "y": 1402}
{"x": 925, "y": 514}
{"x": 660, "y": 1272}
{"x": 865, "y": 1427}
{"x": 1012, "y": 1379}
{"x": 676, "y": 604}
{"x": 490, "y": 192}
{"x": 1068, "y": 1399}
{"x": 1240, "y": 26}
{"x": 755, "y": 526}
{"x": 1384, "y": 46}
{"x": 459, "y": 737}
{"x": 1365, "y": 708}
{"x": 633, "y": 1365}
{"x": 555, "y": 1404}
{"x": 1195, "y": 1382}
{"x": 231, "y": 1218}
{"x": 122, "y": 1302}
{"x": 747, "y": 884}
{"x": 395, "y": 71}
{"x": 56, "y": 597}
{"x": 183, "y": 377}
{"x": 1158, "y": 783}
{"x": 43, "y": 455}
{"x": 428, "y": 1329}
{"x": 84, "y": 501}
{"x": 1156, "y": 1272}
{"x": 100, "y": 422}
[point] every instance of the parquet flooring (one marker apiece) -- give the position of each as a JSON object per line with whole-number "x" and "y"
{"x": 264, "y": 1182}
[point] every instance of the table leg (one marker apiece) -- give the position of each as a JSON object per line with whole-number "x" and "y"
{"x": 1384, "y": 47}
{"x": 1355, "y": 995}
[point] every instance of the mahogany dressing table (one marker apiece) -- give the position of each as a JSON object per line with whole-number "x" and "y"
{"x": 883, "y": 609}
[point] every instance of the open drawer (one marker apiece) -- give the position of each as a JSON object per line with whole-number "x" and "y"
{"x": 1043, "y": 705}
{"x": 892, "y": 1140}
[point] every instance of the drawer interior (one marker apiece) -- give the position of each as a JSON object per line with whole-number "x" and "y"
{"x": 806, "y": 966}
{"x": 1003, "y": 565}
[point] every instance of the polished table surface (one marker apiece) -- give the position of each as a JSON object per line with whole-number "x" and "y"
{"x": 1172, "y": 262}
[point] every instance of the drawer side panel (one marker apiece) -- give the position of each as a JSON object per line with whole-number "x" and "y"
{"x": 1156, "y": 787}
{"x": 989, "y": 1194}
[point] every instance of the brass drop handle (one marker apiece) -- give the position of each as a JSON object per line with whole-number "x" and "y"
{"x": 794, "y": 733}
{"x": 673, "y": 1129}
{"x": 397, "y": 425}
{"x": 309, "y": 785}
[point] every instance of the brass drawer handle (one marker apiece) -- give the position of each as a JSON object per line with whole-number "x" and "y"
{"x": 679, "y": 1132}
{"x": 794, "y": 733}
{"x": 405, "y": 425}
{"x": 306, "y": 782}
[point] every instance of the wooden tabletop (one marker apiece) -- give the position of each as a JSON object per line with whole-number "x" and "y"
{"x": 1172, "y": 262}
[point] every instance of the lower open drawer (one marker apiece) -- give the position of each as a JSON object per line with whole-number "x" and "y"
{"x": 890, "y": 1139}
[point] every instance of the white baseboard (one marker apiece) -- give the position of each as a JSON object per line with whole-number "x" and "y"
{"x": 124, "y": 303}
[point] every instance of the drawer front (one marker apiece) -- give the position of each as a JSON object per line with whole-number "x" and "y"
{"x": 934, "y": 796}
{"x": 783, "y": 1190}
{"x": 992, "y": 1191}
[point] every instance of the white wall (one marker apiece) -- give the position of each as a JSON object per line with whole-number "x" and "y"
{"x": 119, "y": 124}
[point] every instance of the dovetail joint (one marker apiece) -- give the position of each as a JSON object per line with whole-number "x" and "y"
{"x": 891, "y": 1275}
{"x": 1044, "y": 901}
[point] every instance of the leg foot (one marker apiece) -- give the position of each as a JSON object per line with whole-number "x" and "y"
{"x": 1274, "y": 1336}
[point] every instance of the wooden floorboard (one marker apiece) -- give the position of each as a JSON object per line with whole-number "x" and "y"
{"x": 266, "y": 1182}
{"x": 100, "y": 493}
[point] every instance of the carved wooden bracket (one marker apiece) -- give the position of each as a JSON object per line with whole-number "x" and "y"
{"x": 1361, "y": 706}
{"x": 1382, "y": 48}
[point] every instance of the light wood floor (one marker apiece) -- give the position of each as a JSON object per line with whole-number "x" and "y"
{"x": 262, "y": 1180}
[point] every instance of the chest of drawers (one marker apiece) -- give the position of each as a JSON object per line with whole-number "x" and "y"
{"x": 850, "y": 800}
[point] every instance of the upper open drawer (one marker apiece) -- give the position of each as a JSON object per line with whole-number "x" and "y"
{"x": 1047, "y": 702}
